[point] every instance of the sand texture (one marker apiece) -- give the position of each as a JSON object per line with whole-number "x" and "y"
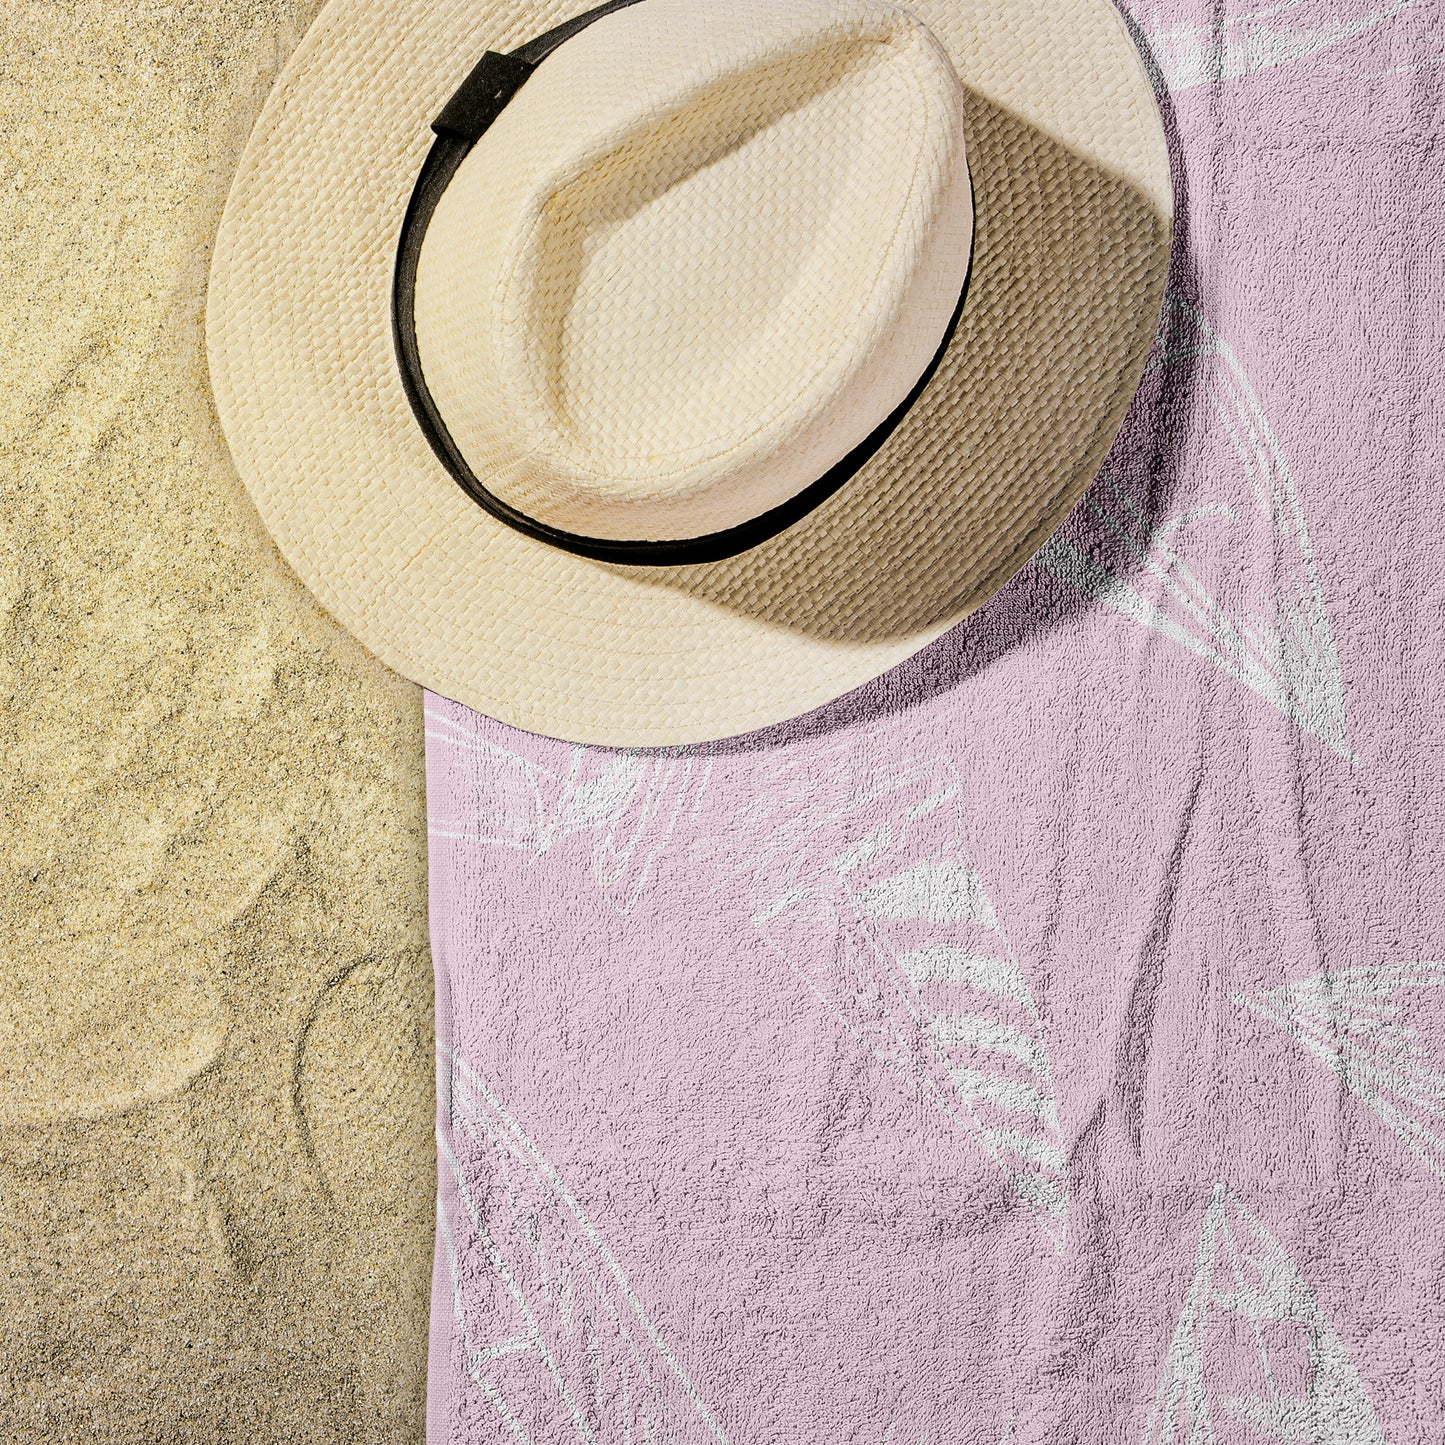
{"x": 216, "y": 1165}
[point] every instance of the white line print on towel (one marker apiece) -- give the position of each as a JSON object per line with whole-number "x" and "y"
{"x": 1351, "y": 1021}
{"x": 1269, "y": 632}
{"x": 1248, "y": 1302}
{"x": 629, "y": 803}
{"x": 551, "y": 1330}
{"x": 860, "y": 883}
{"x": 1190, "y": 52}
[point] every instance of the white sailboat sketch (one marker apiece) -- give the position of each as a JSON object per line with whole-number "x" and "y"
{"x": 1232, "y": 577}
{"x": 627, "y": 803}
{"x": 553, "y": 1335}
{"x": 860, "y": 882}
{"x": 1253, "y": 1358}
{"x": 1216, "y": 46}
{"x": 1351, "y": 1020}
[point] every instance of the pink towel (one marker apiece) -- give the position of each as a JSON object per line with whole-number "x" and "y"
{"x": 1044, "y": 1044}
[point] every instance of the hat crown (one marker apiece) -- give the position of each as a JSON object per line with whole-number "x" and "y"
{"x": 704, "y": 252}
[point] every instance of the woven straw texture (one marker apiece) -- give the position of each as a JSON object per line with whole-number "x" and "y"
{"x": 668, "y": 293}
{"x": 1072, "y": 189}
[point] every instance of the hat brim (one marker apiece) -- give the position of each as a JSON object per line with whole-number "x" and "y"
{"x": 1073, "y": 202}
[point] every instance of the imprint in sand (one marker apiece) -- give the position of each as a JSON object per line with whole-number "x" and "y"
{"x": 92, "y": 1034}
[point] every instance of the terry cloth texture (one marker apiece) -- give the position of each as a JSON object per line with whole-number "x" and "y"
{"x": 216, "y": 1175}
{"x": 1045, "y": 1044}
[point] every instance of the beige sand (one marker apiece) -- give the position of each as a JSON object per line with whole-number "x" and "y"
{"x": 216, "y": 1172}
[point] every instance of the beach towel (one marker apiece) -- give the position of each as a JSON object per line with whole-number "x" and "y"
{"x": 1043, "y": 1044}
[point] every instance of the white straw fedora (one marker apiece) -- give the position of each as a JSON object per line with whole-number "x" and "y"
{"x": 649, "y": 374}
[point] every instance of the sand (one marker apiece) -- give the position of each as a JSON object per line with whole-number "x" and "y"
{"x": 216, "y": 1167}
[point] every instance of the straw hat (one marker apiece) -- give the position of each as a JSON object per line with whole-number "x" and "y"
{"x": 702, "y": 360}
